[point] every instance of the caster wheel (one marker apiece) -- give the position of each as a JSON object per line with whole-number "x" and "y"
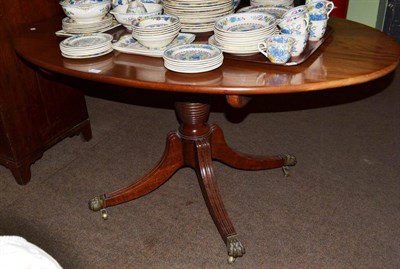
{"x": 231, "y": 259}
{"x": 104, "y": 214}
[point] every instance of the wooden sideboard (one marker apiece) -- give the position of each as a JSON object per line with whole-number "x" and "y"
{"x": 36, "y": 110}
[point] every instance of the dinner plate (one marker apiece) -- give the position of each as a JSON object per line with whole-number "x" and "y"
{"x": 248, "y": 23}
{"x": 87, "y": 56}
{"x": 88, "y": 41}
{"x": 69, "y": 32}
{"x": 235, "y": 51}
{"x": 192, "y": 53}
{"x": 193, "y": 58}
{"x": 192, "y": 70}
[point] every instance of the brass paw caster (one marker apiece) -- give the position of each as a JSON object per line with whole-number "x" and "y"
{"x": 104, "y": 214}
{"x": 289, "y": 160}
{"x": 235, "y": 248}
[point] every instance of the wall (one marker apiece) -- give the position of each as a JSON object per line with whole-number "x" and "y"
{"x": 366, "y": 12}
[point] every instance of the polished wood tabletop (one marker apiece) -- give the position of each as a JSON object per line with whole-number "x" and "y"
{"x": 354, "y": 54}
{"x": 351, "y": 54}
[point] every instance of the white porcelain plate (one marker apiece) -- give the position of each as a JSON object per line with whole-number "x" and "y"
{"x": 245, "y": 22}
{"x": 192, "y": 53}
{"x": 89, "y": 41}
{"x": 88, "y": 55}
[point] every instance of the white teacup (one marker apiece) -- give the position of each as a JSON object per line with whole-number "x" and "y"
{"x": 317, "y": 29}
{"x": 295, "y": 11}
{"x": 277, "y": 48}
{"x": 297, "y": 24}
{"x": 300, "y": 43}
{"x": 320, "y": 10}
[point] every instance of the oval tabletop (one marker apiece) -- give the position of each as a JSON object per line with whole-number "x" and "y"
{"x": 353, "y": 54}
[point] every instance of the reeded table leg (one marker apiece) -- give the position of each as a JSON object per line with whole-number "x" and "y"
{"x": 222, "y": 152}
{"x": 196, "y": 144}
{"x": 171, "y": 161}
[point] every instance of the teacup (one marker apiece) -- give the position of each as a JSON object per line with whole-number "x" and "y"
{"x": 317, "y": 29}
{"x": 300, "y": 43}
{"x": 320, "y": 10}
{"x": 277, "y": 48}
{"x": 295, "y": 11}
{"x": 297, "y": 24}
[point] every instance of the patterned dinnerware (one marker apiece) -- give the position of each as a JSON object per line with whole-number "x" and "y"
{"x": 156, "y": 31}
{"x": 193, "y": 58}
{"x": 285, "y": 3}
{"x": 71, "y": 26}
{"x": 126, "y": 19}
{"x": 198, "y": 16}
{"x": 273, "y": 10}
{"x": 86, "y": 16}
{"x": 86, "y": 46}
{"x": 240, "y": 33}
{"x": 86, "y": 11}
{"x": 128, "y": 44}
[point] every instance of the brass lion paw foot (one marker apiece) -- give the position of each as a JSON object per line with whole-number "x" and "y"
{"x": 290, "y": 160}
{"x": 235, "y": 248}
{"x": 98, "y": 203}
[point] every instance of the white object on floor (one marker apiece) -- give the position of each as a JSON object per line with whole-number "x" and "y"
{"x": 17, "y": 253}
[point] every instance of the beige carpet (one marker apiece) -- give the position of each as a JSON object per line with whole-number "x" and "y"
{"x": 339, "y": 209}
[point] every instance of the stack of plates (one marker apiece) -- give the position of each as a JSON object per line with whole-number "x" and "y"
{"x": 193, "y": 58}
{"x": 273, "y": 10}
{"x": 240, "y": 33}
{"x": 86, "y": 46}
{"x": 128, "y": 44}
{"x": 70, "y": 26}
{"x": 287, "y": 3}
{"x": 198, "y": 16}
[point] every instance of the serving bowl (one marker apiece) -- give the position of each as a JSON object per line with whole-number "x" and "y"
{"x": 248, "y": 23}
{"x": 86, "y": 11}
{"x": 156, "y": 31}
{"x": 126, "y": 19}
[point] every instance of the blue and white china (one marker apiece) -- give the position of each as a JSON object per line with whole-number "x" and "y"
{"x": 240, "y": 33}
{"x": 87, "y": 41}
{"x": 285, "y": 3}
{"x": 151, "y": 1}
{"x": 296, "y": 24}
{"x": 156, "y": 31}
{"x": 128, "y": 44}
{"x": 115, "y": 3}
{"x": 244, "y": 22}
{"x": 126, "y": 19}
{"x": 86, "y": 12}
{"x": 300, "y": 43}
{"x": 193, "y": 58}
{"x": 320, "y": 10}
{"x": 71, "y": 27}
{"x": 277, "y": 48}
{"x": 81, "y": 2}
{"x": 156, "y": 23}
{"x": 198, "y": 16}
{"x": 317, "y": 29}
{"x": 296, "y": 11}
{"x": 276, "y": 11}
{"x": 318, "y": 16}
{"x": 86, "y": 46}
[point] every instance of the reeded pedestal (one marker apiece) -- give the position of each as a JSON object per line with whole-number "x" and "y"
{"x": 196, "y": 144}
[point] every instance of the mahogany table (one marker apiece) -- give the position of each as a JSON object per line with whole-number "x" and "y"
{"x": 353, "y": 54}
